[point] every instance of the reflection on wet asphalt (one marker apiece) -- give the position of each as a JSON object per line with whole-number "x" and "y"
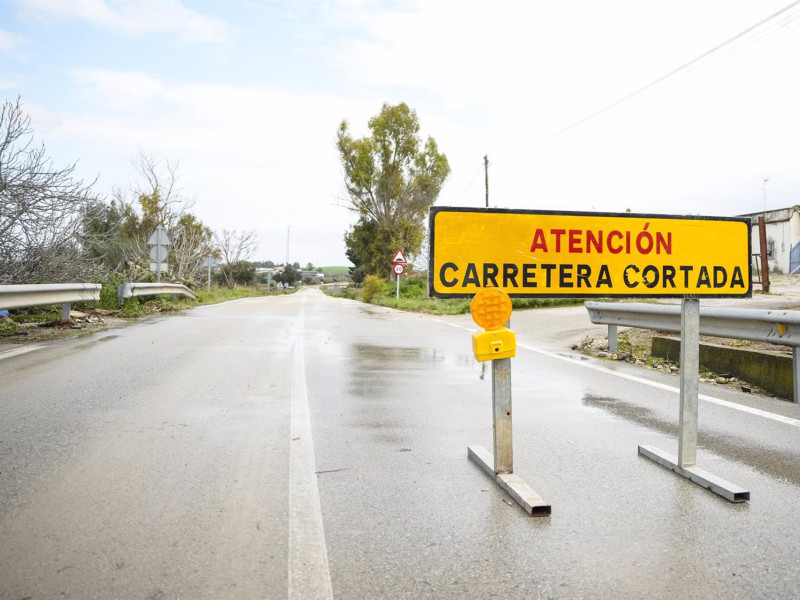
{"x": 773, "y": 462}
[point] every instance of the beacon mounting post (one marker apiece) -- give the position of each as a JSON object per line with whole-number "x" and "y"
{"x": 491, "y": 309}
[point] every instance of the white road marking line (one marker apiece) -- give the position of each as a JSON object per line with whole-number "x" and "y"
{"x": 18, "y": 351}
{"x": 710, "y": 399}
{"x": 309, "y": 573}
{"x": 451, "y": 324}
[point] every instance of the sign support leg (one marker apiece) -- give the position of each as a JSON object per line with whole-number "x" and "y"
{"x": 685, "y": 463}
{"x": 501, "y": 466}
{"x": 690, "y": 381}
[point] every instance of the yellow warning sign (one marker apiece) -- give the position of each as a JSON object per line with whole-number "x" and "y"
{"x": 569, "y": 254}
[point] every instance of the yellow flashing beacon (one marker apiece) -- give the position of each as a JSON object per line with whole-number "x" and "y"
{"x": 491, "y": 308}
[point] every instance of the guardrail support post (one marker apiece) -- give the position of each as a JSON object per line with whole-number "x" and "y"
{"x": 796, "y": 374}
{"x": 65, "y": 311}
{"x": 612, "y": 338}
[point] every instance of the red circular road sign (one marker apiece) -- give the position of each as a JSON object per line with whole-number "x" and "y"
{"x": 399, "y": 269}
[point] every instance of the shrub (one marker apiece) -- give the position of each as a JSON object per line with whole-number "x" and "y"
{"x": 413, "y": 287}
{"x": 374, "y": 288}
{"x": 108, "y": 293}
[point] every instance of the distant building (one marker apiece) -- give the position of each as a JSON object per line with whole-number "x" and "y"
{"x": 783, "y": 238}
{"x": 316, "y": 275}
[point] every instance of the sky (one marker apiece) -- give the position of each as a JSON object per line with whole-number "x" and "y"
{"x": 247, "y": 95}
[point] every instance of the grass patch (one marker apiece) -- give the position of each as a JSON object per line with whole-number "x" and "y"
{"x": 332, "y": 271}
{"x": 217, "y": 294}
{"x": 36, "y": 314}
{"x": 444, "y": 306}
{"x": 8, "y": 328}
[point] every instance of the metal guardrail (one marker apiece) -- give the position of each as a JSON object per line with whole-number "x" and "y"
{"x": 23, "y": 296}
{"x": 131, "y": 290}
{"x": 780, "y": 327}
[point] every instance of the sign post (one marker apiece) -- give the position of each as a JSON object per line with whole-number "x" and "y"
{"x": 399, "y": 267}
{"x": 568, "y": 254}
{"x": 209, "y": 262}
{"x": 159, "y": 250}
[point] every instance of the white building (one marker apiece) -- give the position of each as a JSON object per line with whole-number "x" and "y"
{"x": 783, "y": 234}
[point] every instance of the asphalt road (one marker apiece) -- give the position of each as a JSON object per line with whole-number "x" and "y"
{"x": 306, "y": 447}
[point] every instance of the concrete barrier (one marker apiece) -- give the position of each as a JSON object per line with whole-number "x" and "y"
{"x": 771, "y": 372}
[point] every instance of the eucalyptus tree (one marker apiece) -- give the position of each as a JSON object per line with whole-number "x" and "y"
{"x": 392, "y": 177}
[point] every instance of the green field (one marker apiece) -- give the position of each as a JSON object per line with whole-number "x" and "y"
{"x": 335, "y": 270}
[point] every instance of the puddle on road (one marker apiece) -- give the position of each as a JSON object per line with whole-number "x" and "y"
{"x": 389, "y": 358}
{"x": 772, "y": 462}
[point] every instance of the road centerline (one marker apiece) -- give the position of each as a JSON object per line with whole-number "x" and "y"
{"x": 309, "y": 573}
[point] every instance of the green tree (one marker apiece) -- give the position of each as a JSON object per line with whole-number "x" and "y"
{"x": 392, "y": 179}
{"x": 290, "y": 275}
{"x": 370, "y": 246}
{"x": 192, "y": 242}
{"x": 115, "y": 234}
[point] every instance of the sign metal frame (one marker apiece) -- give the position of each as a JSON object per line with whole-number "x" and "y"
{"x": 501, "y": 467}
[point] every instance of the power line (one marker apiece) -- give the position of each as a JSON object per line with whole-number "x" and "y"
{"x": 746, "y": 43}
{"x": 675, "y": 71}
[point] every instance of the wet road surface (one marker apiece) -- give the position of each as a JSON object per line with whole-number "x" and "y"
{"x": 306, "y": 447}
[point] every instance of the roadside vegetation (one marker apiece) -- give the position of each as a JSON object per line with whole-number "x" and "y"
{"x": 414, "y": 297}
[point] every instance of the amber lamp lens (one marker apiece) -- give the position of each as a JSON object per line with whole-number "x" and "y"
{"x": 490, "y": 308}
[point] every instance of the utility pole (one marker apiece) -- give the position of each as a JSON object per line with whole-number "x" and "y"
{"x": 486, "y": 177}
{"x": 288, "y": 231}
{"x": 765, "y": 180}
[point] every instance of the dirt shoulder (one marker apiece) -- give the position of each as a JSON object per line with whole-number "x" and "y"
{"x": 79, "y": 323}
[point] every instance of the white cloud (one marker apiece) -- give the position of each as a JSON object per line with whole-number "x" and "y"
{"x": 134, "y": 17}
{"x": 9, "y": 84}
{"x": 496, "y": 80}
{"x": 13, "y": 45}
{"x": 254, "y": 157}
{"x": 502, "y": 81}
{"x": 126, "y": 91}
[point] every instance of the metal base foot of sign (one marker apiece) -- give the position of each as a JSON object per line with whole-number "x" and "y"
{"x": 719, "y": 486}
{"x": 532, "y": 502}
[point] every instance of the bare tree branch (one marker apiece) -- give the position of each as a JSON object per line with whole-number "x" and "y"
{"x": 40, "y": 207}
{"x": 233, "y": 248}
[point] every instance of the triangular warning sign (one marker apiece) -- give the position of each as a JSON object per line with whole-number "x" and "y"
{"x": 399, "y": 257}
